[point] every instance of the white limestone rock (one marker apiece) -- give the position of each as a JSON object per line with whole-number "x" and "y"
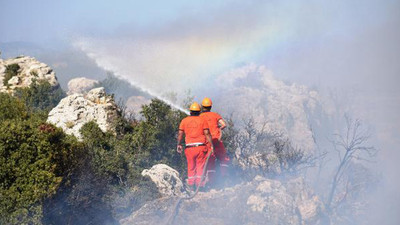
{"x": 80, "y": 85}
{"x": 76, "y": 110}
{"x": 272, "y": 200}
{"x": 310, "y": 206}
{"x": 166, "y": 179}
{"x": 261, "y": 201}
{"x": 310, "y": 210}
{"x": 30, "y": 70}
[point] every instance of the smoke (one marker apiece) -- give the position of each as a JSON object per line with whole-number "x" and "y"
{"x": 191, "y": 51}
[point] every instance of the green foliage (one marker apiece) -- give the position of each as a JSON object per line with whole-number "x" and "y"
{"x": 48, "y": 177}
{"x": 34, "y": 158}
{"x": 156, "y": 136}
{"x": 40, "y": 95}
{"x": 11, "y": 108}
{"x": 11, "y": 70}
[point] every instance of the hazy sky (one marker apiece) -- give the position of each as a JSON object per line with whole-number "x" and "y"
{"x": 44, "y": 20}
{"x": 302, "y": 41}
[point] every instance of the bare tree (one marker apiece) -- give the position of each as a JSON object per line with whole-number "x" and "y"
{"x": 269, "y": 153}
{"x": 292, "y": 160}
{"x": 350, "y": 146}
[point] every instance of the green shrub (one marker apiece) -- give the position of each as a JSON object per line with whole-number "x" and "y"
{"x": 155, "y": 136}
{"x": 11, "y": 108}
{"x": 11, "y": 70}
{"x": 48, "y": 177}
{"x": 34, "y": 158}
{"x": 40, "y": 95}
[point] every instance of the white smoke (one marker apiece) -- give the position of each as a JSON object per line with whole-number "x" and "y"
{"x": 253, "y": 91}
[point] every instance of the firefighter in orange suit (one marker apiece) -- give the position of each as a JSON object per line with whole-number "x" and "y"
{"x": 216, "y": 124}
{"x": 197, "y": 134}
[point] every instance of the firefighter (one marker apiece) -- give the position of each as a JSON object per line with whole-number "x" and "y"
{"x": 216, "y": 124}
{"x": 197, "y": 134}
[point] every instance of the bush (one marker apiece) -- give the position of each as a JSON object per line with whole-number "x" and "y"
{"x": 155, "y": 136}
{"x": 48, "y": 177}
{"x": 34, "y": 158}
{"x": 11, "y": 108}
{"x": 11, "y": 70}
{"x": 40, "y": 95}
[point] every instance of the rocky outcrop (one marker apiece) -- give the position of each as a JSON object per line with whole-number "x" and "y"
{"x": 75, "y": 110}
{"x": 166, "y": 179}
{"x": 80, "y": 85}
{"x": 21, "y": 71}
{"x": 261, "y": 201}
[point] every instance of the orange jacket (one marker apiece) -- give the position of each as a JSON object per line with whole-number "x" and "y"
{"x": 212, "y": 119}
{"x": 193, "y": 127}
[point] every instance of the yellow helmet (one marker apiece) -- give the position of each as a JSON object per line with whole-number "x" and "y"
{"x": 206, "y": 102}
{"x": 195, "y": 107}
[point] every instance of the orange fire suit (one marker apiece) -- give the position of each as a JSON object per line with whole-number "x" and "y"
{"x": 196, "y": 150}
{"x": 212, "y": 119}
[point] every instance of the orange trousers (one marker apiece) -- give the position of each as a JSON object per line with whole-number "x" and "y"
{"x": 196, "y": 159}
{"x": 220, "y": 157}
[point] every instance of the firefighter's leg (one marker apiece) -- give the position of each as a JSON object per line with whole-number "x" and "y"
{"x": 210, "y": 174}
{"x": 191, "y": 155}
{"x": 222, "y": 157}
{"x": 200, "y": 163}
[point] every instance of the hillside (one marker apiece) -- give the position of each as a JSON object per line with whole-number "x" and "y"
{"x": 81, "y": 159}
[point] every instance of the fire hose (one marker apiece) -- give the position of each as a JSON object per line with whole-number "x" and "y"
{"x": 175, "y": 208}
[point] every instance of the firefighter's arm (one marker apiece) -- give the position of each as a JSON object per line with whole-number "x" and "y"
{"x": 221, "y": 125}
{"x": 179, "y": 147}
{"x": 208, "y": 137}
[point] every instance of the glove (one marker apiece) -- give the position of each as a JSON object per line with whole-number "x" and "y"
{"x": 179, "y": 149}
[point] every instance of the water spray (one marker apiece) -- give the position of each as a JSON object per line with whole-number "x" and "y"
{"x": 165, "y": 100}
{"x": 141, "y": 87}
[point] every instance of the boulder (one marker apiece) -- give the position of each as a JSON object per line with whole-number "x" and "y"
{"x": 29, "y": 70}
{"x": 261, "y": 201}
{"x": 76, "y": 110}
{"x": 166, "y": 179}
{"x": 80, "y": 85}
